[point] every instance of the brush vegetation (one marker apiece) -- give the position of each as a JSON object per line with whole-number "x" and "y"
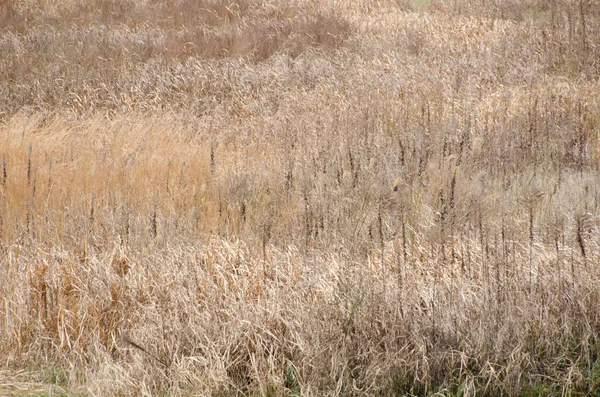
{"x": 299, "y": 198}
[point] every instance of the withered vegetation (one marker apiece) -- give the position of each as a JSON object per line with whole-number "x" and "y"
{"x": 285, "y": 198}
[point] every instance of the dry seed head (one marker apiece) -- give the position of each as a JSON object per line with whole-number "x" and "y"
{"x": 397, "y": 183}
{"x": 477, "y": 144}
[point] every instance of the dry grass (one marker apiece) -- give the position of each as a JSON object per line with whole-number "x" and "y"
{"x": 299, "y": 198}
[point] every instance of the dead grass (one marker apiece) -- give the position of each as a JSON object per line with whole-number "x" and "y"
{"x": 89, "y": 55}
{"x": 296, "y": 198}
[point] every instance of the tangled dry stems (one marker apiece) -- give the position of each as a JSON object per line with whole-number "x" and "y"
{"x": 278, "y": 199}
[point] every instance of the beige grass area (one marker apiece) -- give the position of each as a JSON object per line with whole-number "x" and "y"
{"x": 299, "y": 198}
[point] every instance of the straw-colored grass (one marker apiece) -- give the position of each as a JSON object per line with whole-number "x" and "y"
{"x": 299, "y": 198}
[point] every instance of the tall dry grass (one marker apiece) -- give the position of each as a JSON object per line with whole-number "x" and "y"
{"x": 299, "y": 198}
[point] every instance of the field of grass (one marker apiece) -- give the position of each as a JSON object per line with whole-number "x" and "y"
{"x": 299, "y": 198}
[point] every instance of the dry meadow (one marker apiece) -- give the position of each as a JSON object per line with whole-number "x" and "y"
{"x": 299, "y": 198}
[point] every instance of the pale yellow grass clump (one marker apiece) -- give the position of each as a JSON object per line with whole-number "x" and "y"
{"x": 299, "y": 198}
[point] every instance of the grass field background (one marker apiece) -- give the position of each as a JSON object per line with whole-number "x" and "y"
{"x": 290, "y": 198}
